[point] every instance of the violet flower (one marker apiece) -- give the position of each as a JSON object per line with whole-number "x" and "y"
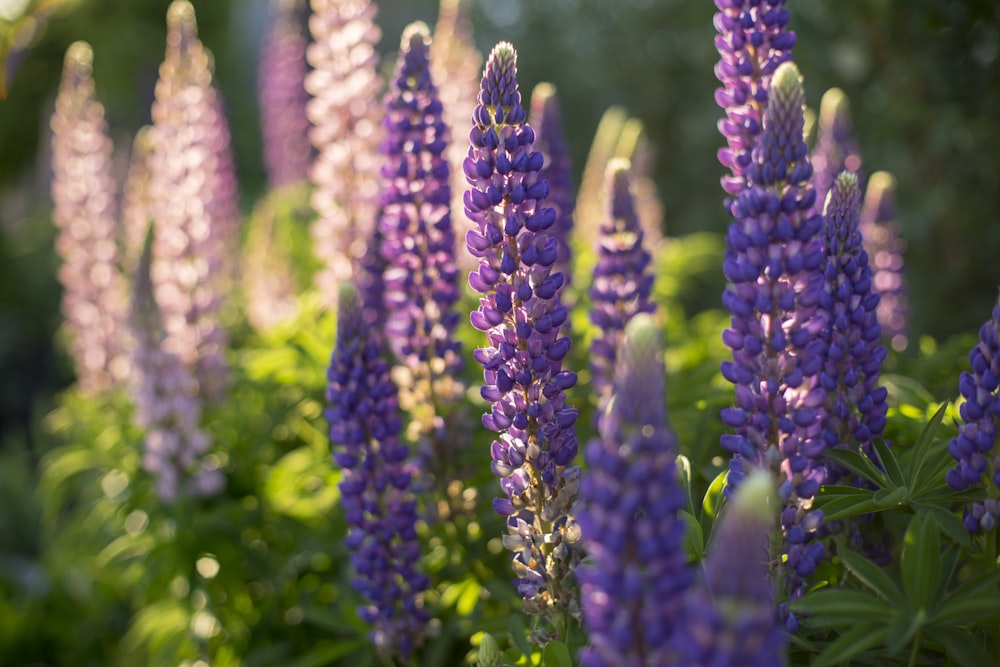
{"x": 774, "y": 267}
{"x": 521, "y": 315}
{"x": 546, "y": 118}
{"x": 856, "y": 405}
{"x": 192, "y": 199}
{"x": 166, "y": 402}
{"x": 280, "y": 78}
{"x": 974, "y": 448}
{"x": 728, "y": 618}
{"x": 886, "y": 247}
{"x": 632, "y": 584}
{"x": 85, "y": 214}
{"x": 376, "y": 494}
{"x": 345, "y": 88}
{"x": 418, "y": 245}
{"x": 752, "y": 41}
{"x": 835, "y": 150}
{"x": 622, "y": 283}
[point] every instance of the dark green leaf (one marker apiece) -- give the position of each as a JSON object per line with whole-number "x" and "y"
{"x": 858, "y": 464}
{"x": 922, "y": 448}
{"x": 976, "y": 601}
{"x": 850, "y": 643}
{"x": 519, "y": 635}
{"x": 556, "y": 654}
{"x": 712, "y": 502}
{"x": 889, "y": 463}
{"x": 890, "y": 498}
{"x": 903, "y": 629}
{"x": 948, "y": 522}
{"x": 920, "y": 562}
{"x": 848, "y": 506}
{"x": 872, "y": 576}
{"x": 962, "y": 649}
{"x": 841, "y": 607}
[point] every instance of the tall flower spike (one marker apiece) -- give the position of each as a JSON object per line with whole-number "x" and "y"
{"x": 418, "y": 243}
{"x": 835, "y": 150}
{"x": 136, "y": 213}
{"x": 376, "y": 493}
{"x": 752, "y": 42}
{"x": 166, "y": 405}
{"x": 192, "y": 201}
{"x": 344, "y": 111}
{"x": 974, "y": 449}
{"x": 456, "y": 65}
{"x": 886, "y": 247}
{"x": 774, "y": 265}
{"x": 622, "y": 283}
{"x": 856, "y": 405}
{"x": 521, "y": 316}
{"x": 280, "y": 79}
{"x": 632, "y": 585}
{"x": 728, "y": 618}
{"x": 84, "y": 211}
{"x": 546, "y": 118}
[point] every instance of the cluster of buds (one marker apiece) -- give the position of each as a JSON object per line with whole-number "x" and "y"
{"x": 85, "y": 213}
{"x": 774, "y": 266}
{"x": 521, "y": 315}
{"x": 973, "y": 448}
{"x": 622, "y": 284}
{"x": 376, "y": 489}
{"x": 632, "y": 583}
{"x": 752, "y": 42}
{"x": 192, "y": 201}
{"x": 344, "y": 89}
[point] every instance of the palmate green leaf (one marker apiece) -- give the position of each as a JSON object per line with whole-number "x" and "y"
{"x": 841, "y": 502}
{"x": 850, "y": 643}
{"x": 962, "y": 649}
{"x": 921, "y": 451}
{"x": 556, "y": 654}
{"x": 832, "y": 607}
{"x": 975, "y": 601}
{"x": 887, "y": 458}
{"x": 903, "y": 629}
{"x": 872, "y": 576}
{"x": 859, "y": 465}
{"x": 947, "y": 522}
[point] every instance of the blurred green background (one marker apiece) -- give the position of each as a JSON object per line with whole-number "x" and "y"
{"x": 923, "y": 78}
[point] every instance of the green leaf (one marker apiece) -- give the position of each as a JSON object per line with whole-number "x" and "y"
{"x": 684, "y": 477}
{"x": 946, "y": 521}
{"x": 962, "y": 649}
{"x": 841, "y": 607}
{"x": 556, "y": 654}
{"x": 694, "y": 538}
{"x": 888, "y": 460}
{"x": 920, "y": 562}
{"x": 850, "y": 643}
{"x": 519, "y": 635}
{"x": 890, "y": 498}
{"x": 872, "y": 576}
{"x": 858, "y": 464}
{"x": 847, "y": 506}
{"x": 712, "y": 503}
{"x": 326, "y": 652}
{"x": 903, "y": 629}
{"x": 922, "y": 448}
{"x": 975, "y": 601}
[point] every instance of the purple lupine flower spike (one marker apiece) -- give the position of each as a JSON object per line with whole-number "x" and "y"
{"x": 632, "y": 584}
{"x": 521, "y": 316}
{"x": 974, "y": 449}
{"x": 280, "y": 78}
{"x": 728, "y": 618}
{"x": 192, "y": 203}
{"x": 418, "y": 245}
{"x": 752, "y": 41}
{"x": 166, "y": 404}
{"x": 135, "y": 211}
{"x": 84, "y": 211}
{"x": 622, "y": 282}
{"x": 835, "y": 150}
{"x": 774, "y": 267}
{"x": 886, "y": 247}
{"x": 376, "y": 488}
{"x": 546, "y": 118}
{"x": 345, "y": 88}
{"x": 856, "y": 405}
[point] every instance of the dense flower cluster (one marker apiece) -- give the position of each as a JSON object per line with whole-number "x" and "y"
{"x": 546, "y": 118}
{"x": 418, "y": 245}
{"x": 85, "y": 213}
{"x": 280, "y": 78}
{"x": 521, "y": 315}
{"x": 345, "y": 88}
{"x": 885, "y": 247}
{"x": 376, "y": 494}
{"x": 774, "y": 267}
{"x": 166, "y": 406}
{"x": 631, "y": 586}
{"x": 192, "y": 201}
{"x": 728, "y": 618}
{"x": 856, "y": 405}
{"x": 973, "y": 448}
{"x": 622, "y": 284}
{"x": 752, "y": 41}
{"x": 835, "y": 150}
